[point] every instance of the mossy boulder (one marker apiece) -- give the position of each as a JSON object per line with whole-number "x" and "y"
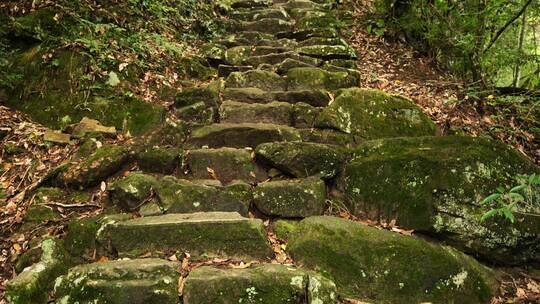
{"x": 197, "y": 113}
{"x": 193, "y": 95}
{"x": 328, "y": 136}
{"x": 379, "y": 266}
{"x": 131, "y": 192}
{"x": 33, "y": 284}
{"x": 259, "y": 79}
{"x": 291, "y": 198}
{"x": 159, "y": 160}
{"x": 268, "y": 283}
{"x": 182, "y": 196}
{"x": 172, "y": 133}
{"x": 203, "y": 234}
{"x": 304, "y": 115}
{"x": 284, "y": 228}
{"x": 92, "y": 170}
{"x": 372, "y": 114}
{"x": 315, "y": 78}
{"x": 279, "y": 113}
{"x": 139, "y": 281}
{"x": 303, "y": 159}
{"x": 241, "y": 135}
{"x": 225, "y": 164}
{"x": 435, "y": 185}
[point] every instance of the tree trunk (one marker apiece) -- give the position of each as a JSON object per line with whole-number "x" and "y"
{"x": 517, "y": 70}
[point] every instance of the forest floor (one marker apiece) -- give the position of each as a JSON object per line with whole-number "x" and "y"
{"x": 389, "y": 66}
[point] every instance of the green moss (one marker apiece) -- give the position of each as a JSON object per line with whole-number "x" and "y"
{"x": 384, "y": 267}
{"x": 435, "y": 184}
{"x": 132, "y": 191}
{"x": 314, "y": 78}
{"x": 284, "y": 228}
{"x": 159, "y": 160}
{"x": 374, "y": 114}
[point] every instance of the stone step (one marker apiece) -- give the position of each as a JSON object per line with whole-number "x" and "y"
{"x": 202, "y": 235}
{"x": 328, "y": 52}
{"x": 224, "y": 164}
{"x": 279, "y": 113}
{"x": 238, "y": 55}
{"x": 316, "y": 98}
{"x": 303, "y": 159}
{"x": 251, "y": 3}
{"x": 150, "y": 196}
{"x": 291, "y": 198}
{"x": 265, "y": 25}
{"x": 139, "y": 281}
{"x": 263, "y": 80}
{"x": 277, "y": 58}
{"x": 268, "y": 283}
{"x": 241, "y": 135}
{"x": 267, "y": 40}
{"x": 254, "y": 15}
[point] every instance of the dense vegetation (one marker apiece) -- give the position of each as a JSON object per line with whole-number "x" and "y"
{"x": 119, "y": 52}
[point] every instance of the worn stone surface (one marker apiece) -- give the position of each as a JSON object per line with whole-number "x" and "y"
{"x": 435, "y": 185}
{"x": 139, "y": 281}
{"x": 291, "y": 198}
{"x": 374, "y": 114}
{"x": 90, "y": 126}
{"x": 315, "y": 78}
{"x": 379, "y": 266}
{"x": 267, "y": 283}
{"x": 263, "y": 80}
{"x": 302, "y": 159}
{"x": 159, "y": 160}
{"x": 90, "y": 171}
{"x": 33, "y": 284}
{"x": 279, "y": 113}
{"x": 56, "y": 137}
{"x": 183, "y": 196}
{"x": 197, "y": 113}
{"x": 316, "y": 98}
{"x": 205, "y": 234}
{"x": 265, "y": 25}
{"x": 225, "y": 164}
{"x": 241, "y": 135}
{"x": 131, "y": 192}
{"x": 304, "y": 115}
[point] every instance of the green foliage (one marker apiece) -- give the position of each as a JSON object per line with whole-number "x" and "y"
{"x": 463, "y": 36}
{"x": 504, "y": 201}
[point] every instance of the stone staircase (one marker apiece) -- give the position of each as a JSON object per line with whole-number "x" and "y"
{"x": 269, "y": 143}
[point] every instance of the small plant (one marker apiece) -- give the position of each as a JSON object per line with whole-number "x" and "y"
{"x": 505, "y": 201}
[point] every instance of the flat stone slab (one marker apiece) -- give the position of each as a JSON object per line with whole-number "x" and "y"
{"x": 139, "y": 281}
{"x": 225, "y": 164}
{"x": 316, "y": 98}
{"x": 241, "y": 135}
{"x": 268, "y": 283}
{"x": 279, "y": 113}
{"x": 379, "y": 266}
{"x": 259, "y": 79}
{"x": 291, "y": 198}
{"x": 203, "y": 234}
{"x": 315, "y": 78}
{"x": 265, "y": 25}
{"x": 303, "y": 159}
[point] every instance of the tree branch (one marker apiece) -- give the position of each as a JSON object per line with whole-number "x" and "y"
{"x": 503, "y": 29}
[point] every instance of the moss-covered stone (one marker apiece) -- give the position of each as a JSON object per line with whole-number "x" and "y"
{"x": 197, "y": 113}
{"x": 374, "y": 114}
{"x": 252, "y": 15}
{"x": 314, "y": 78}
{"x": 435, "y": 185}
{"x": 90, "y": 128}
{"x": 225, "y": 164}
{"x": 328, "y": 136}
{"x": 239, "y": 54}
{"x": 256, "y": 79}
{"x": 284, "y": 228}
{"x": 172, "y": 133}
{"x": 190, "y": 96}
{"x": 89, "y": 172}
{"x": 289, "y": 63}
{"x": 131, "y": 192}
{"x": 265, "y": 25}
{"x": 291, "y": 198}
{"x": 328, "y": 52}
{"x": 182, "y": 196}
{"x": 277, "y": 58}
{"x": 241, "y": 135}
{"x": 279, "y": 113}
{"x": 33, "y": 284}
{"x": 268, "y": 283}
{"x": 370, "y": 264}
{"x": 302, "y": 159}
{"x": 304, "y": 115}
{"x": 159, "y": 160}
{"x": 140, "y": 281}
{"x": 316, "y": 98}
{"x": 224, "y": 234}
{"x": 240, "y": 190}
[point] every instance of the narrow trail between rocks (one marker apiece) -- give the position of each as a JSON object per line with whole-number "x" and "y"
{"x": 240, "y": 196}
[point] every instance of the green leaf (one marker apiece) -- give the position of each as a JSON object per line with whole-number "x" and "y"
{"x": 516, "y": 197}
{"x": 490, "y": 198}
{"x": 491, "y": 213}
{"x": 518, "y": 188}
{"x": 501, "y": 189}
{"x": 113, "y": 79}
{"x": 508, "y": 214}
